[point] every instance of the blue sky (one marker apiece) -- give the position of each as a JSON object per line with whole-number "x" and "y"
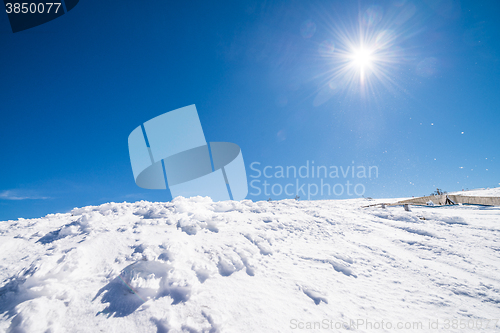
{"x": 264, "y": 75}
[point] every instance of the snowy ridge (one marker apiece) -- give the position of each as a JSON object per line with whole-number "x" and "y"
{"x": 488, "y": 192}
{"x": 192, "y": 265}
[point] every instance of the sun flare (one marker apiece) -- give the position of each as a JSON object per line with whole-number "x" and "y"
{"x": 362, "y": 58}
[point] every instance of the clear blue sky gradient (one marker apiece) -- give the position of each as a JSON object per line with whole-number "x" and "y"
{"x": 73, "y": 89}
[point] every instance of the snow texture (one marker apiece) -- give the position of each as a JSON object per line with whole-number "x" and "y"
{"x": 193, "y": 265}
{"x": 488, "y": 192}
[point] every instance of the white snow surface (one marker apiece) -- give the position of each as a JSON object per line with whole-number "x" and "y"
{"x": 193, "y": 265}
{"x": 488, "y": 192}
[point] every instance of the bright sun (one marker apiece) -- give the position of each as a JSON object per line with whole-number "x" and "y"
{"x": 362, "y": 58}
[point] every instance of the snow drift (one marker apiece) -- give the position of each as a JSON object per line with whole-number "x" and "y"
{"x": 192, "y": 265}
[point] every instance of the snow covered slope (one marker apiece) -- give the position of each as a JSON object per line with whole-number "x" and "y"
{"x": 192, "y": 265}
{"x": 489, "y": 192}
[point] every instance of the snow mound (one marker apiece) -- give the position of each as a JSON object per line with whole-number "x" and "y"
{"x": 193, "y": 265}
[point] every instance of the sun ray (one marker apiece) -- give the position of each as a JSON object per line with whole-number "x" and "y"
{"x": 367, "y": 56}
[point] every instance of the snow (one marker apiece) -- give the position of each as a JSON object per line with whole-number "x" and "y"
{"x": 489, "y": 192}
{"x": 193, "y": 265}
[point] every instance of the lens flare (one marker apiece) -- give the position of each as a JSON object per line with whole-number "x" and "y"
{"x": 362, "y": 57}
